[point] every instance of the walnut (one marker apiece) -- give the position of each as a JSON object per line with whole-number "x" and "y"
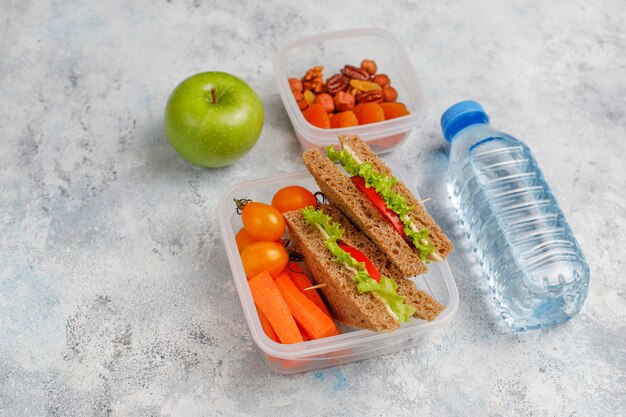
{"x": 314, "y": 80}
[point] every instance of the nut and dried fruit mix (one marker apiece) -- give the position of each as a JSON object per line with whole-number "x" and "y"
{"x": 355, "y": 96}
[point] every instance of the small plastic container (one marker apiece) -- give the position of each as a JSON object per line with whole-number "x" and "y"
{"x": 352, "y": 344}
{"x": 333, "y": 51}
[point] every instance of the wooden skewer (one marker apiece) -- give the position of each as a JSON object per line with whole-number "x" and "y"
{"x": 426, "y": 200}
{"x": 314, "y": 287}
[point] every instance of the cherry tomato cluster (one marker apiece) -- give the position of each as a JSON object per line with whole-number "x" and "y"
{"x": 259, "y": 240}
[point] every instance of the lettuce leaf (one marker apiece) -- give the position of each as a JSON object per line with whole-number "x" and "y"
{"x": 383, "y": 184}
{"x": 386, "y": 288}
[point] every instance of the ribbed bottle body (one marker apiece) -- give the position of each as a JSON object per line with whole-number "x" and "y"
{"x": 536, "y": 270}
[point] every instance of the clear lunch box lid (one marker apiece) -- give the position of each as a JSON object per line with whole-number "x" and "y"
{"x": 438, "y": 281}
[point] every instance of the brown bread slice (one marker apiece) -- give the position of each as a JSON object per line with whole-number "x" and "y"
{"x": 363, "y": 311}
{"x": 341, "y": 192}
{"x": 442, "y": 244}
{"x": 346, "y": 303}
{"x": 427, "y": 308}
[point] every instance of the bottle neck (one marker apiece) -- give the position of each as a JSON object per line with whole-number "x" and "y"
{"x": 475, "y": 130}
{"x": 464, "y": 139}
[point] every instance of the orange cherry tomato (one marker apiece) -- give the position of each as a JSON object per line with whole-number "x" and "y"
{"x": 243, "y": 239}
{"x": 264, "y": 256}
{"x": 263, "y": 221}
{"x": 292, "y": 198}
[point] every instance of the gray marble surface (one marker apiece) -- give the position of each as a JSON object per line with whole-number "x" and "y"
{"x": 116, "y": 297}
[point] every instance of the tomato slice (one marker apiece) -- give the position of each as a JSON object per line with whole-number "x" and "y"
{"x": 380, "y": 204}
{"x": 360, "y": 257}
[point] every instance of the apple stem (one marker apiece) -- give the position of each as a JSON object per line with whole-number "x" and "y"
{"x": 213, "y": 97}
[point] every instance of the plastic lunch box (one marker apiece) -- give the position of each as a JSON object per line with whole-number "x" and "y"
{"x": 352, "y": 344}
{"x": 334, "y": 50}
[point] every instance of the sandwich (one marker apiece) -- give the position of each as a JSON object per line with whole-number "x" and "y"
{"x": 361, "y": 287}
{"x": 378, "y": 204}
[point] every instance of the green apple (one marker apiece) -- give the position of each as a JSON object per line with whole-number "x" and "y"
{"x": 213, "y": 118}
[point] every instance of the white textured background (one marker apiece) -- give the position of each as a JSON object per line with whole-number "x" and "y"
{"x": 115, "y": 294}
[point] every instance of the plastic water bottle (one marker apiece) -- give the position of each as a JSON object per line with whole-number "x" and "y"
{"x": 536, "y": 270}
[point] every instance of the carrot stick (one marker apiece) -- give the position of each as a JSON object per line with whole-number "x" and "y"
{"x": 303, "y": 333}
{"x": 268, "y": 299}
{"x": 267, "y": 327}
{"x": 302, "y": 281}
{"x": 312, "y": 319}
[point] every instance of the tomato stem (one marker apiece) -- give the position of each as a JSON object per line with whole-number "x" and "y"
{"x": 295, "y": 257}
{"x": 320, "y": 198}
{"x": 240, "y": 203}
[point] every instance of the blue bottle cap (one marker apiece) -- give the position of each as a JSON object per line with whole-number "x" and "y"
{"x": 461, "y": 115}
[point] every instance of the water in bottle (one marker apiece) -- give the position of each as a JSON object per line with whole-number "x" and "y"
{"x": 535, "y": 268}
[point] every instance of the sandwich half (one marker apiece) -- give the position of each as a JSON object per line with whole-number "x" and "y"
{"x": 357, "y": 277}
{"x": 378, "y": 204}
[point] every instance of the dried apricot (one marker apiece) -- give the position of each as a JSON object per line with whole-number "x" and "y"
{"x": 317, "y": 116}
{"x": 393, "y": 110}
{"x": 343, "y": 119}
{"x": 369, "y": 113}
